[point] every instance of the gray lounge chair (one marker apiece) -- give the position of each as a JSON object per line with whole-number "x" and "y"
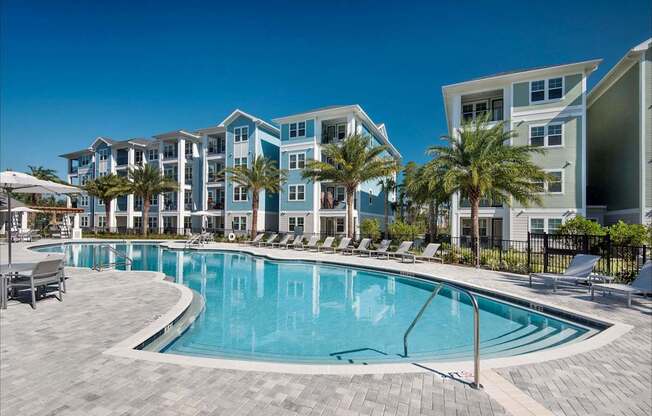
{"x": 642, "y": 285}
{"x": 310, "y": 245}
{"x": 381, "y": 250}
{"x": 403, "y": 252}
{"x": 255, "y": 240}
{"x": 269, "y": 241}
{"x": 429, "y": 253}
{"x": 363, "y": 246}
{"x": 297, "y": 243}
{"x": 45, "y": 273}
{"x": 579, "y": 270}
{"x": 327, "y": 244}
{"x": 287, "y": 238}
{"x": 343, "y": 245}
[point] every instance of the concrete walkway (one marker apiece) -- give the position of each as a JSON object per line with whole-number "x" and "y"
{"x": 52, "y": 362}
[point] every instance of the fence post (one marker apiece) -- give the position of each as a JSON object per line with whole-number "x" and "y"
{"x": 585, "y": 244}
{"x": 529, "y": 254}
{"x": 608, "y": 238}
{"x": 545, "y": 252}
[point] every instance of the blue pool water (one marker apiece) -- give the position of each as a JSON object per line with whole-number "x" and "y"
{"x": 304, "y": 312}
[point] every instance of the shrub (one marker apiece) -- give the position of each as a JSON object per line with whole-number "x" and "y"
{"x": 370, "y": 228}
{"x": 628, "y": 234}
{"x": 580, "y": 226}
{"x": 400, "y": 230}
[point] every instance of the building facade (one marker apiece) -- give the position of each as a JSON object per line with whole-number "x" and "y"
{"x": 206, "y": 199}
{"x": 620, "y": 141}
{"x": 546, "y": 107}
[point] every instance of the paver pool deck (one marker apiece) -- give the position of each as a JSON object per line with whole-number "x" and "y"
{"x": 53, "y": 361}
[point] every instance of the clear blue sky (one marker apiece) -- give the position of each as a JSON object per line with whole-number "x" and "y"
{"x": 74, "y": 70}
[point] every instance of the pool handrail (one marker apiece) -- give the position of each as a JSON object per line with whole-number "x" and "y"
{"x": 99, "y": 266}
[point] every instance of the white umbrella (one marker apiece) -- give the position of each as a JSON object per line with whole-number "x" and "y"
{"x": 22, "y": 209}
{"x": 17, "y": 182}
{"x": 206, "y": 213}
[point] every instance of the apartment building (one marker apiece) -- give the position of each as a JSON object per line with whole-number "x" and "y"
{"x": 620, "y": 141}
{"x": 318, "y": 207}
{"x": 207, "y": 199}
{"x": 546, "y": 107}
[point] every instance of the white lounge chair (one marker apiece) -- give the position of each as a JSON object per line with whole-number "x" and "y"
{"x": 403, "y": 251}
{"x": 310, "y": 245}
{"x": 255, "y": 240}
{"x": 44, "y": 274}
{"x": 363, "y": 246}
{"x": 579, "y": 270}
{"x": 429, "y": 253}
{"x": 641, "y": 285}
{"x": 287, "y": 238}
{"x": 382, "y": 249}
{"x": 269, "y": 241}
{"x": 297, "y": 243}
{"x": 343, "y": 245}
{"x": 327, "y": 244}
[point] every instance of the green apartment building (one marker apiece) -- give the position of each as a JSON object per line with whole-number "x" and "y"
{"x": 620, "y": 141}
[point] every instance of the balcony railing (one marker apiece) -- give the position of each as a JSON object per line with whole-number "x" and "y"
{"x": 330, "y": 204}
{"x": 169, "y": 155}
{"x": 187, "y": 206}
{"x": 215, "y": 205}
{"x": 121, "y": 161}
{"x": 170, "y": 206}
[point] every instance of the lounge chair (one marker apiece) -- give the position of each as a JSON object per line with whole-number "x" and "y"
{"x": 429, "y": 253}
{"x": 269, "y": 241}
{"x": 382, "y": 249}
{"x": 579, "y": 270}
{"x": 310, "y": 245}
{"x": 363, "y": 246}
{"x": 641, "y": 285}
{"x": 287, "y": 238}
{"x": 343, "y": 245}
{"x": 297, "y": 243}
{"x": 403, "y": 252}
{"x": 44, "y": 274}
{"x": 255, "y": 240}
{"x": 327, "y": 244}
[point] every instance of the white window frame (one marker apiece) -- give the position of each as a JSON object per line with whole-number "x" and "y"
{"x": 187, "y": 169}
{"x": 546, "y": 223}
{"x": 83, "y": 200}
{"x": 101, "y": 221}
{"x": 152, "y": 154}
{"x": 237, "y": 190}
{"x": 475, "y": 111}
{"x": 241, "y": 221}
{"x": 339, "y": 220}
{"x": 239, "y": 132}
{"x": 237, "y": 161}
{"x": 296, "y": 192}
{"x": 152, "y": 222}
{"x": 296, "y": 128}
{"x": 546, "y": 89}
{"x": 529, "y": 223}
{"x": 293, "y": 223}
{"x": 546, "y": 134}
{"x": 546, "y": 185}
{"x": 296, "y": 160}
{"x": 83, "y": 221}
{"x": 103, "y": 154}
{"x": 100, "y": 202}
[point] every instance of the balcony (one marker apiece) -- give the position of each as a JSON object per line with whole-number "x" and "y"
{"x": 333, "y": 131}
{"x": 215, "y": 205}
{"x": 216, "y": 145}
{"x": 484, "y": 203}
{"x": 170, "y": 206}
{"x": 477, "y": 105}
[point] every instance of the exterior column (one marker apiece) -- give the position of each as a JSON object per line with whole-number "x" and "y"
{"x": 160, "y": 196}
{"x": 130, "y": 198}
{"x": 181, "y": 179}
{"x": 455, "y": 200}
{"x": 76, "y": 230}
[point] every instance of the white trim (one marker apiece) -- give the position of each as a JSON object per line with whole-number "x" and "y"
{"x": 642, "y": 120}
{"x": 623, "y": 211}
{"x": 555, "y": 112}
{"x": 240, "y": 130}
{"x": 584, "y": 146}
{"x": 296, "y": 129}
{"x": 235, "y": 186}
{"x": 305, "y": 158}
{"x": 546, "y": 90}
{"x": 546, "y": 222}
{"x": 545, "y": 183}
{"x": 296, "y": 192}
{"x": 546, "y": 134}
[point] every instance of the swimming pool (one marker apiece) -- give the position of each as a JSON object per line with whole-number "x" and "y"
{"x": 296, "y": 311}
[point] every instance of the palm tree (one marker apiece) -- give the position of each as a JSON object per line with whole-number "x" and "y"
{"x": 350, "y": 163}
{"x": 479, "y": 163}
{"x": 263, "y": 175}
{"x": 107, "y": 188}
{"x": 387, "y": 185}
{"x": 46, "y": 174}
{"x": 146, "y": 181}
{"x": 429, "y": 187}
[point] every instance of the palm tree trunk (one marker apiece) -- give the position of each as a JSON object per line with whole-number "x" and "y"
{"x": 349, "y": 212}
{"x": 386, "y": 213}
{"x": 432, "y": 227}
{"x": 254, "y": 210}
{"x": 145, "y": 216}
{"x": 107, "y": 213}
{"x": 436, "y": 220}
{"x": 475, "y": 228}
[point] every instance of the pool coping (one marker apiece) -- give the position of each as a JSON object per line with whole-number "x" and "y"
{"x": 127, "y": 348}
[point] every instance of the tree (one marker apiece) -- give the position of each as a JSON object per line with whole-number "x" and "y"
{"x": 107, "y": 188}
{"x": 479, "y": 163}
{"x": 579, "y": 225}
{"x": 350, "y": 163}
{"x": 387, "y": 185}
{"x": 146, "y": 181}
{"x": 263, "y": 175}
{"x": 46, "y": 174}
{"x": 370, "y": 227}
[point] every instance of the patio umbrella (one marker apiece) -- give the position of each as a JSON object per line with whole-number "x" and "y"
{"x": 205, "y": 214}
{"x": 22, "y": 183}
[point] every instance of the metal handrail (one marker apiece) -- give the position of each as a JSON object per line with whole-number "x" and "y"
{"x": 476, "y": 329}
{"x": 193, "y": 240}
{"x": 99, "y": 266}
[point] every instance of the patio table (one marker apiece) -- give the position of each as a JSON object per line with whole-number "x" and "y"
{"x": 6, "y": 271}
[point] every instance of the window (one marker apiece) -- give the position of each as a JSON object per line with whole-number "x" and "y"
{"x": 138, "y": 157}
{"x": 546, "y": 136}
{"x": 152, "y": 154}
{"x": 537, "y": 225}
{"x": 239, "y": 193}
{"x": 553, "y": 225}
{"x": 187, "y": 197}
{"x": 555, "y": 88}
{"x": 215, "y": 144}
{"x": 339, "y": 225}
{"x": 152, "y": 222}
{"x": 153, "y": 200}
{"x": 170, "y": 172}
{"x": 138, "y": 222}
{"x": 187, "y": 223}
{"x": 497, "y": 109}
{"x": 537, "y": 91}
{"x": 101, "y": 221}
{"x": 240, "y": 161}
{"x": 188, "y": 149}
{"x": 297, "y": 193}
{"x": 169, "y": 150}
{"x": 295, "y": 222}
{"x": 297, "y": 161}
{"x": 83, "y": 180}
{"x": 104, "y": 154}
{"x": 170, "y": 201}
{"x": 100, "y": 202}
{"x": 83, "y": 221}
{"x": 537, "y": 136}
{"x": 239, "y": 223}
{"x": 188, "y": 173}
{"x": 83, "y": 201}
{"x": 83, "y": 161}
{"x": 298, "y": 129}
{"x": 138, "y": 203}
{"x": 474, "y": 110}
{"x": 241, "y": 134}
{"x": 555, "y": 184}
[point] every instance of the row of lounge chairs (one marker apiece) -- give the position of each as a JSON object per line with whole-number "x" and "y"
{"x": 290, "y": 241}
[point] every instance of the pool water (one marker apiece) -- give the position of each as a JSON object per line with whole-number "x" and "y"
{"x": 297, "y": 311}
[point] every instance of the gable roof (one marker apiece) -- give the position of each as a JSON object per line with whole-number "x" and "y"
{"x": 175, "y": 134}
{"x": 258, "y": 121}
